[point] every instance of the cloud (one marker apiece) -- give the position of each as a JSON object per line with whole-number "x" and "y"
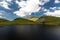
{"x": 0, "y": 16}
{"x": 29, "y": 6}
{"x": 57, "y": 1}
{"x": 4, "y": 3}
{"x": 55, "y": 13}
{"x": 42, "y": 2}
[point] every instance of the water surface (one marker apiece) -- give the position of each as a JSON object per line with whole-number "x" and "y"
{"x": 30, "y": 32}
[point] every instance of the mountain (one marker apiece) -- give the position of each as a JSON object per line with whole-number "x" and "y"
{"x": 4, "y": 22}
{"x": 17, "y": 21}
{"x": 23, "y": 21}
{"x": 33, "y": 18}
{"x": 52, "y": 20}
{"x": 49, "y": 20}
{"x": 41, "y": 19}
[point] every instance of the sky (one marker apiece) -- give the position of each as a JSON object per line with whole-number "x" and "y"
{"x": 12, "y": 9}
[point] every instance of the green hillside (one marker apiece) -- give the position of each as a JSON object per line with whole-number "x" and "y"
{"x": 52, "y": 20}
{"x": 33, "y": 18}
{"x": 4, "y": 22}
{"x": 48, "y": 20}
{"x": 17, "y": 21}
{"x": 23, "y": 21}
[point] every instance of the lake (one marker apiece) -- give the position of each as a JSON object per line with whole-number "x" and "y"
{"x": 29, "y": 32}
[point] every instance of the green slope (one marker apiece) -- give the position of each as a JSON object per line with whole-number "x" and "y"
{"x": 4, "y": 22}
{"x": 52, "y": 20}
{"x": 17, "y": 21}
{"x": 23, "y": 21}
{"x": 48, "y": 20}
{"x": 33, "y": 18}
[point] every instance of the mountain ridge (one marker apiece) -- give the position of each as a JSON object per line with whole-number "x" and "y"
{"x": 47, "y": 20}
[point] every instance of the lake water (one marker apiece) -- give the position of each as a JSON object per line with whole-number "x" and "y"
{"x": 29, "y": 32}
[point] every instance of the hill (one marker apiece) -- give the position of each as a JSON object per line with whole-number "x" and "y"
{"x": 33, "y": 18}
{"x": 52, "y": 20}
{"x": 23, "y": 21}
{"x": 49, "y": 20}
{"x": 17, "y": 21}
{"x": 4, "y": 22}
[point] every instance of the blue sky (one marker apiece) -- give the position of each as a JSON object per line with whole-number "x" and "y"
{"x": 12, "y": 8}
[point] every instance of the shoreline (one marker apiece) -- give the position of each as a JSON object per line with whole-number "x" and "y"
{"x": 29, "y": 24}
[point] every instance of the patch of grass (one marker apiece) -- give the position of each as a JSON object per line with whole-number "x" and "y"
{"x": 33, "y": 19}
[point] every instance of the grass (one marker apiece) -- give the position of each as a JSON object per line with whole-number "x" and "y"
{"x": 23, "y": 21}
{"x": 33, "y": 19}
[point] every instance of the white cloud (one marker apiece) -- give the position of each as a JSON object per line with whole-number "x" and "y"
{"x": 42, "y": 2}
{"x": 9, "y": 0}
{"x": 57, "y": 1}
{"x": 55, "y": 13}
{"x": 29, "y": 6}
{"x": 1, "y": 17}
{"x": 4, "y": 3}
{"x": 58, "y": 8}
{"x": 53, "y": 8}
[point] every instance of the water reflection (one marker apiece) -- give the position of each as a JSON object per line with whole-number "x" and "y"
{"x": 52, "y": 33}
{"x": 29, "y": 32}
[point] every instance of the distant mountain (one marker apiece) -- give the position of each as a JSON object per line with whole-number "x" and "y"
{"x": 52, "y": 20}
{"x": 4, "y": 22}
{"x": 47, "y": 20}
{"x": 1, "y": 19}
{"x": 23, "y": 21}
{"x": 17, "y": 22}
